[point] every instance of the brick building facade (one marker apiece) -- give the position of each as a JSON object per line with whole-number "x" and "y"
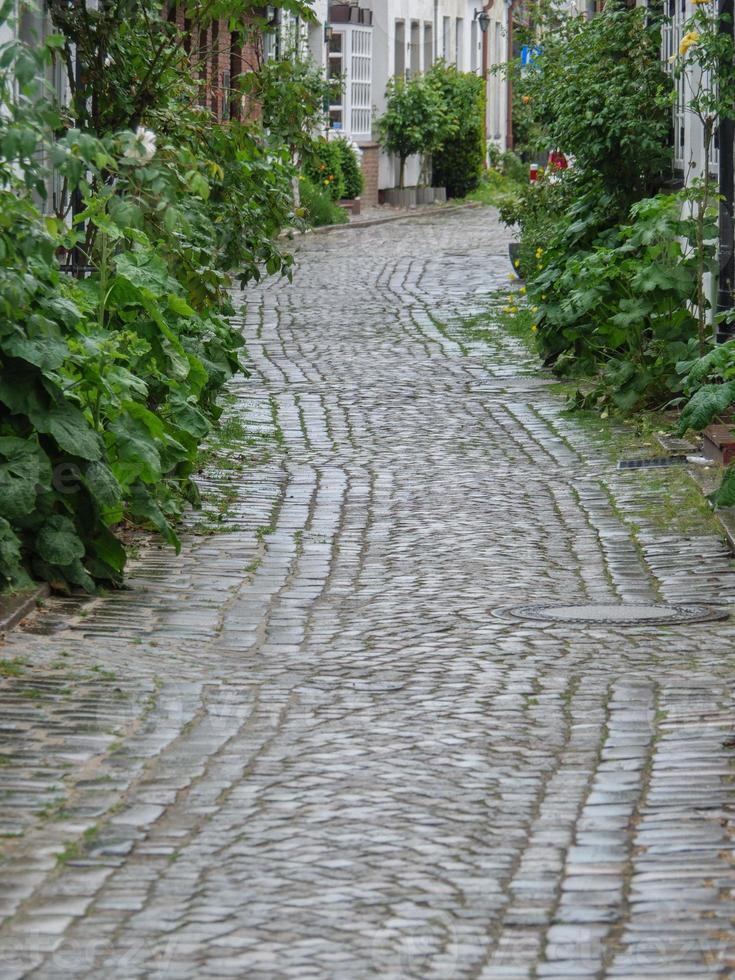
{"x": 218, "y": 55}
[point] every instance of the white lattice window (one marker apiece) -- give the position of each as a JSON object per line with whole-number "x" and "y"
{"x": 672, "y": 34}
{"x": 360, "y": 81}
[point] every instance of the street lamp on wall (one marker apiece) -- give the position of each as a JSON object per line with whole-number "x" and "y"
{"x": 328, "y": 32}
{"x": 483, "y": 19}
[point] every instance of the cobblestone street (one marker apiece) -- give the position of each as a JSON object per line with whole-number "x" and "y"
{"x": 308, "y": 748}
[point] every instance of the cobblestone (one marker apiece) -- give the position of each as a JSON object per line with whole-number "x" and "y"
{"x": 306, "y": 748}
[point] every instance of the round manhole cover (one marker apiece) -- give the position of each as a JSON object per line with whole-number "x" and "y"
{"x": 614, "y": 614}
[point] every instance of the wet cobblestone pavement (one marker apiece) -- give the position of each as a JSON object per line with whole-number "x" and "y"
{"x": 307, "y": 748}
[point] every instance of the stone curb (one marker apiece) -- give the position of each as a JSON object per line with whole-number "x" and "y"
{"x": 725, "y": 518}
{"x": 403, "y": 216}
{"x": 14, "y": 608}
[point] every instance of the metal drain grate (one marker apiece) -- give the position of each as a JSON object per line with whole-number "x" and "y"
{"x": 653, "y": 462}
{"x": 613, "y": 614}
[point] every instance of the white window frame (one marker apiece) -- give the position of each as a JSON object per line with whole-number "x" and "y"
{"x": 359, "y": 81}
{"x": 670, "y": 40}
{"x": 357, "y": 69}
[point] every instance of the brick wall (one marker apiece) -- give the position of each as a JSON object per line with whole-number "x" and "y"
{"x": 370, "y": 161}
{"x": 218, "y": 57}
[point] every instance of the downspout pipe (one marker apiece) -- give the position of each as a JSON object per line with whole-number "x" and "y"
{"x": 726, "y": 245}
{"x": 485, "y": 87}
{"x": 509, "y": 83}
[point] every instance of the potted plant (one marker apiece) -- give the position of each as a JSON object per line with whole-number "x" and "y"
{"x": 413, "y": 119}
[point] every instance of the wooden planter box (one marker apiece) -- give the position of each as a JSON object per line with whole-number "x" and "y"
{"x": 440, "y": 195}
{"x": 425, "y": 195}
{"x": 718, "y": 443}
{"x": 352, "y": 205}
{"x": 401, "y": 197}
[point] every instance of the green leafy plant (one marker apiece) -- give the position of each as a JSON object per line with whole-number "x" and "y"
{"x": 291, "y": 92}
{"x": 319, "y": 206}
{"x": 709, "y": 384}
{"x": 350, "y": 166}
{"x": 618, "y": 309}
{"x": 599, "y": 92}
{"x": 323, "y": 166}
{"x": 458, "y": 154}
{"x": 111, "y": 364}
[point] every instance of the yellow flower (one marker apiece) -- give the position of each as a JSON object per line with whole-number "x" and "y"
{"x": 326, "y": 183}
{"x": 522, "y": 290}
{"x": 539, "y": 253}
{"x": 534, "y": 327}
{"x": 534, "y": 309}
{"x": 690, "y": 38}
{"x": 699, "y": 2}
{"x": 514, "y": 309}
{"x": 543, "y": 295}
{"x": 517, "y": 263}
{"x": 301, "y": 177}
{"x": 512, "y": 276}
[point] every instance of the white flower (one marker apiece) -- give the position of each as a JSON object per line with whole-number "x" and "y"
{"x": 143, "y": 147}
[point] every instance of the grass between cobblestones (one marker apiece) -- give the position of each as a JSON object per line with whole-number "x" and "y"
{"x": 674, "y": 501}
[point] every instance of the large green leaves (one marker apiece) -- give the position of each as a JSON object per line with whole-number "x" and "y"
{"x": 142, "y": 273}
{"x": 724, "y": 496}
{"x": 706, "y": 404}
{"x": 40, "y": 343}
{"x": 143, "y": 505}
{"x": 58, "y": 542}
{"x": 71, "y": 430}
{"x": 11, "y": 565}
{"x": 23, "y": 468}
{"x": 134, "y": 450}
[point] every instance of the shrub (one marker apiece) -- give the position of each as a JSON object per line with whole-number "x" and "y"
{"x": 539, "y": 209}
{"x": 319, "y": 205}
{"x": 323, "y": 166}
{"x": 618, "y": 308}
{"x": 601, "y": 94}
{"x": 513, "y": 167}
{"x": 351, "y": 170}
{"x": 609, "y": 268}
{"x": 457, "y": 162}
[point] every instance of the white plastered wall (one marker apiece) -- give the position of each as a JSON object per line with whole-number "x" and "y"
{"x": 452, "y": 38}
